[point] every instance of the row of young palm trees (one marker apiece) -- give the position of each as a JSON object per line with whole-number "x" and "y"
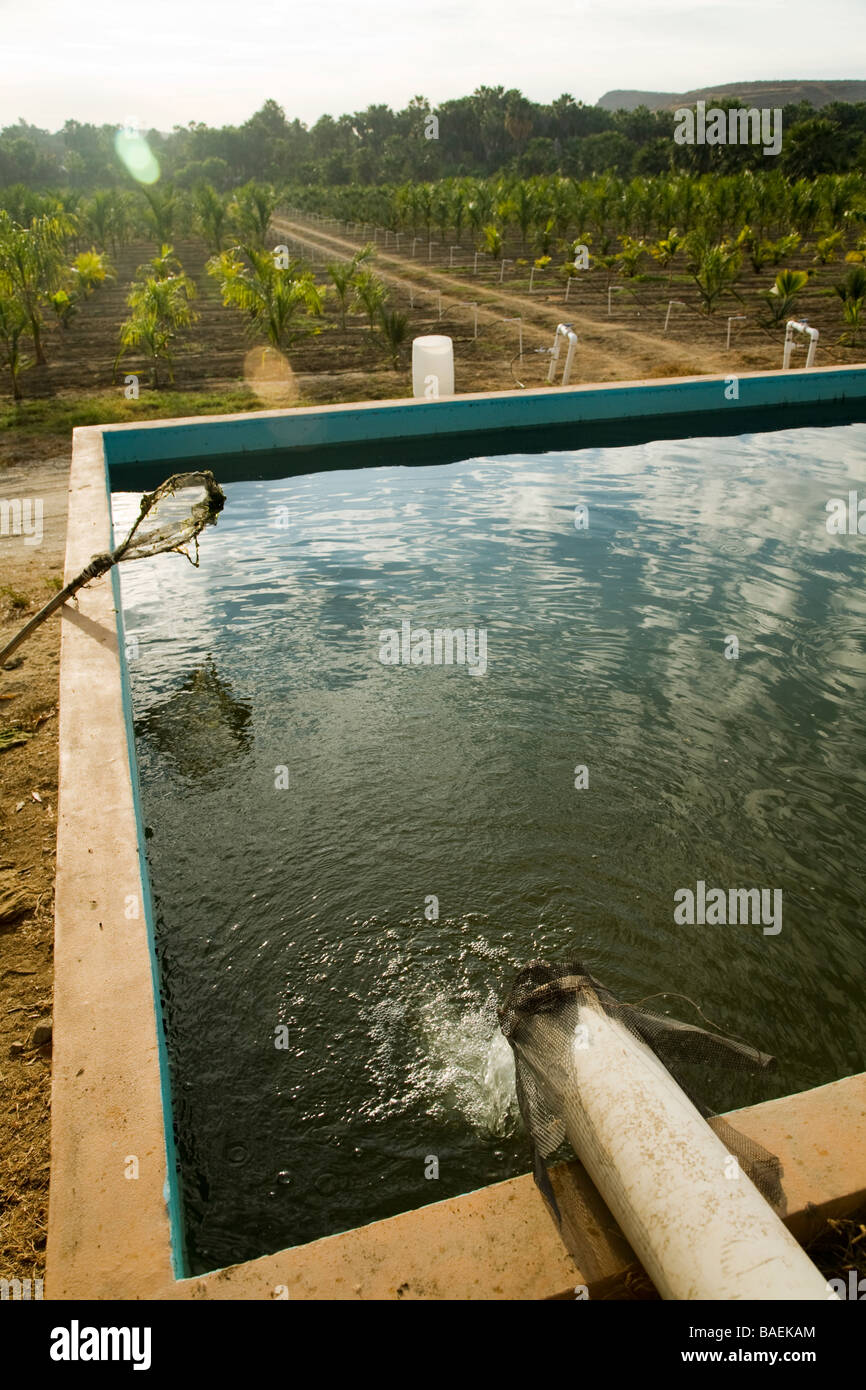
{"x": 44, "y": 274}
{"x": 277, "y": 295}
{"x": 705, "y": 227}
{"x": 713, "y": 269}
{"x": 109, "y": 219}
{"x": 39, "y": 277}
{"x": 544, "y": 210}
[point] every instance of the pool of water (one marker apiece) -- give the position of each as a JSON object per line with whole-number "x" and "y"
{"x": 350, "y": 857}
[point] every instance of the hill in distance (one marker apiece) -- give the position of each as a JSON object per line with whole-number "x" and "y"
{"x": 770, "y": 94}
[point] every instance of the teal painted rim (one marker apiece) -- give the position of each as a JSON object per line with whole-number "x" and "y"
{"x": 677, "y": 408}
{"x": 172, "y": 1189}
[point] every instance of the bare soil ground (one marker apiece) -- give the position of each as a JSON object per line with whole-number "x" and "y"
{"x": 28, "y": 810}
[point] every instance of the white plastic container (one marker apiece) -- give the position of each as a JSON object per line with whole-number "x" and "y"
{"x": 432, "y": 367}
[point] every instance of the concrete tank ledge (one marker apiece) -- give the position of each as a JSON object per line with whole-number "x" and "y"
{"x": 672, "y": 407}
{"x": 112, "y": 1236}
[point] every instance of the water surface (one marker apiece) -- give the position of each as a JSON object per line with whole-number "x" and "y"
{"x": 303, "y": 905}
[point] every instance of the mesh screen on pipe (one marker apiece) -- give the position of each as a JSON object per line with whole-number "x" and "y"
{"x": 558, "y": 990}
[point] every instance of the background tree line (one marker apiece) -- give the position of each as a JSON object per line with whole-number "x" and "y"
{"x": 492, "y": 131}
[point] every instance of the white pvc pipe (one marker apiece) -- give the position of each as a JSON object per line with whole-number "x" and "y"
{"x": 733, "y": 318}
{"x": 569, "y": 358}
{"x": 469, "y": 304}
{"x": 799, "y": 326}
{"x": 563, "y": 330}
{"x": 680, "y": 305}
{"x": 698, "y": 1225}
{"x": 519, "y": 321}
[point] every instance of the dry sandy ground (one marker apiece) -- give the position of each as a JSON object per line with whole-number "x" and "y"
{"x": 28, "y": 809}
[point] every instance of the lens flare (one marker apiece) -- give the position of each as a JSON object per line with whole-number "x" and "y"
{"x": 269, "y": 376}
{"x": 136, "y": 156}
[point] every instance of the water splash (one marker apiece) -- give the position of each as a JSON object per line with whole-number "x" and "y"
{"x": 469, "y": 1062}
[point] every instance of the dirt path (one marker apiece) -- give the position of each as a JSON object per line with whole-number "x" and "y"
{"x": 28, "y": 825}
{"x": 599, "y": 354}
{"x": 609, "y": 349}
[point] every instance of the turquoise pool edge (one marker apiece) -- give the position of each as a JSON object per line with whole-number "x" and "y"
{"x": 695, "y": 404}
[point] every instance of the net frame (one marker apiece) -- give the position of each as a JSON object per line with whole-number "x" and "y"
{"x": 175, "y": 535}
{"x": 178, "y": 534}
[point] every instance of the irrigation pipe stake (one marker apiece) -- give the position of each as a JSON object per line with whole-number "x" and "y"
{"x": 519, "y": 321}
{"x": 505, "y": 262}
{"x": 173, "y": 534}
{"x": 469, "y": 304}
{"x": 614, "y": 289}
{"x": 798, "y": 326}
{"x": 733, "y": 318}
{"x": 680, "y": 305}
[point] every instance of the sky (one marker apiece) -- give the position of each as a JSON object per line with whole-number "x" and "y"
{"x": 168, "y": 62}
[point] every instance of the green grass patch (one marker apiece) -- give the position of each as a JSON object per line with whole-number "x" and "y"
{"x": 15, "y": 596}
{"x": 60, "y": 414}
{"x": 13, "y": 738}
